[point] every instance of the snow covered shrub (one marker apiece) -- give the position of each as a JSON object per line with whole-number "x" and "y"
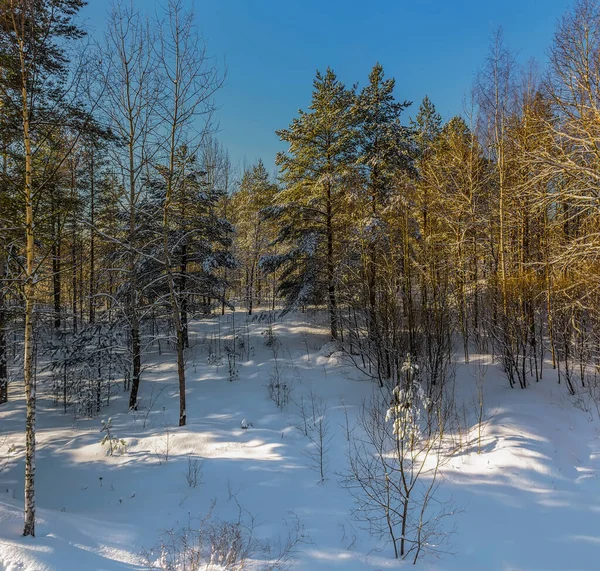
{"x": 394, "y": 470}
{"x": 320, "y": 437}
{"x": 330, "y": 348}
{"x": 218, "y": 545}
{"x": 231, "y": 362}
{"x": 270, "y": 337}
{"x": 306, "y": 418}
{"x": 213, "y": 359}
{"x": 279, "y": 390}
{"x": 115, "y": 445}
{"x": 210, "y": 544}
{"x": 84, "y": 365}
{"x": 5, "y": 451}
{"x": 409, "y": 405}
{"x": 194, "y": 471}
{"x": 162, "y": 449}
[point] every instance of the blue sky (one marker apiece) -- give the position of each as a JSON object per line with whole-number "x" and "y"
{"x": 272, "y": 50}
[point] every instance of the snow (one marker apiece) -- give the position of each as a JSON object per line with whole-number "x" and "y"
{"x": 529, "y": 501}
{"x": 330, "y": 348}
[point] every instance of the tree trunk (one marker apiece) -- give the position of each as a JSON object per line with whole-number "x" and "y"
{"x": 332, "y": 303}
{"x": 74, "y": 276}
{"x": 251, "y": 287}
{"x": 183, "y": 295}
{"x": 3, "y": 361}
{"x": 136, "y": 359}
{"x": 181, "y": 376}
{"x": 92, "y": 290}
{"x": 133, "y": 300}
{"x": 175, "y": 311}
{"x": 3, "y": 354}
{"x": 56, "y": 274}
{"x": 29, "y": 294}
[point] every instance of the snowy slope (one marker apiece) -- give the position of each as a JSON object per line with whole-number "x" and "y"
{"x": 528, "y": 501}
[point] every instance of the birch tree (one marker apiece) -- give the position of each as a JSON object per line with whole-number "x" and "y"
{"x": 36, "y": 69}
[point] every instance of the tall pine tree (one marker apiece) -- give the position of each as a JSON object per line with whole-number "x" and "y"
{"x": 315, "y": 173}
{"x": 385, "y": 153}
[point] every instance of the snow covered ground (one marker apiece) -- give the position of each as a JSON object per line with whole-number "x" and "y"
{"x": 529, "y": 501}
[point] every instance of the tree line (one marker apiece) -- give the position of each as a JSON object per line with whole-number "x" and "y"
{"x": 421, "y": 234}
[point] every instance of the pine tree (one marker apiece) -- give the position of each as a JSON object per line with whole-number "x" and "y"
{"x": 385, "y": 158}
{"x": 185, "y": 249}
{"x": 427, "y": 126}
{"x": 199, "y": 239}
{"x": 385, "y": 145}
{"x": 315, "y": 174}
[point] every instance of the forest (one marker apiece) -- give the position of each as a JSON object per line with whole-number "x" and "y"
{"x": 419, "y": 247}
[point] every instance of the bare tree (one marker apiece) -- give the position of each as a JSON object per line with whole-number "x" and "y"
{"x": 190, "y": 82}
{"x": 127, "y": 70}
{"x": 494, "y": 89}
{"x": 394, "y": 471}
{"x": 319, "y": 435}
